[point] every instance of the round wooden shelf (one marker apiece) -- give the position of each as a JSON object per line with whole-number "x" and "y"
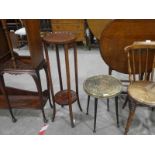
{"x": 59, "y": 38}
{"x": 61, "y": 97}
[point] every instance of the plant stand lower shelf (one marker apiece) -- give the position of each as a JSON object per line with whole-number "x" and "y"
{"x": 61, "y": 97}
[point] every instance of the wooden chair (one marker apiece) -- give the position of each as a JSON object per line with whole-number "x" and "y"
{"x": 141, "y": 91}
{"x": 20, "y": 34}
{"x": 12, "y": 63}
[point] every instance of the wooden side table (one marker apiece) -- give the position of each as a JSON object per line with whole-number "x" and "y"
{"x": 12, "y": 63}
{"x": 64, "y": 96}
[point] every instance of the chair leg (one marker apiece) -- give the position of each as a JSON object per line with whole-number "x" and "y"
{"x": 88, "y": 100}
{"x": 125, "y": 103}
{"x": 37, "y": 80}
{"x": 116, "y": 106}
{"x": 132, "y": 107}
{"x": 108, "y": 107}
{"x": 95, "y": 114}
{"x": 2, "y": 87}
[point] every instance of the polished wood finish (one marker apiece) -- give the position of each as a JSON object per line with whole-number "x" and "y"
{"x": 64, "y": 96}
{"x": 4, "y": 47}
{"x": 15, "y": 98}
{"x": 21, "y": 99}
{"x": 34, "y": 41}
{"x": 119, "y": 34}
{"x": 97, "y": 26}
{"x": 141, "y": 63}
{"x": 76, "y": 26}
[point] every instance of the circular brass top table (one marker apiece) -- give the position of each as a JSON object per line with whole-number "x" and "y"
{"x": 102, "y": 86}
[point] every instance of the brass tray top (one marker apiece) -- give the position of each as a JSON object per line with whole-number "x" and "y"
{"x": 102, "y": 86}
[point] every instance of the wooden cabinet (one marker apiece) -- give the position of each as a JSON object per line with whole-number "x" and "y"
{"x": 13, "y": 24}
{"x": 77, "y": 26}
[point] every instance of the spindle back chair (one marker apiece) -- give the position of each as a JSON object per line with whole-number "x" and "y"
{"x": 141, "y": 63}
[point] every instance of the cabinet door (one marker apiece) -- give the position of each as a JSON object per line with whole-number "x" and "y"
{"x": 75, "y": 26}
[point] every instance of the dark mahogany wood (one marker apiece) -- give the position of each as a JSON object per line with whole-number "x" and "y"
{"x": 61, "y": 97}
{"x": 15, "y": 98}
{"x": 120, "y": 33}
{"x": 20, "y": 99}
{"x": 68, "y": 96}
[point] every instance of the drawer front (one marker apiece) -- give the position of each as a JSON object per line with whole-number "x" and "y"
{"x": 67, "y": 21}
{"x": 67, "y": 27}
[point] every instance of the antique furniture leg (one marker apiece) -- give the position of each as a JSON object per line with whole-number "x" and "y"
{"x": 88, "y": 100}
{"x": 132, "y": 107}
{"x": 108, "y": 108}
{"x": 48, "y": 84}
{"x": 2, "y": 87}
{"x": 76, "y": 76}
{"x": 95, "y": 114}
{"x": 50, "y": 81}
{"x": 36, "y": 78}
{"x": 116, "y": 106}
{"x": 125, "y": 103}
{"x": 68, "y": 84}
{"x": 59, "y": 68}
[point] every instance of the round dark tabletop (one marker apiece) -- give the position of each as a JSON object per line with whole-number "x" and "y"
{"x": 120, "y": 33}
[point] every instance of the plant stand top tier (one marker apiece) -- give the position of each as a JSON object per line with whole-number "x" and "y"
{"x": 59, "y": 38}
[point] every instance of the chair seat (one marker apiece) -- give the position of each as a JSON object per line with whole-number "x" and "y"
{"x": 143, "y": 92}
{"x": 102, "y": 86}
{"x": 21, "y": 32}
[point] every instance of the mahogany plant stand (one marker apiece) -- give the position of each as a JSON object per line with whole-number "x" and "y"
{"x": 65, "y": 97}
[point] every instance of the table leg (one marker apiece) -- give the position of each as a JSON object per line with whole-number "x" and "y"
{"x": 95, "y": 114}
{"x": 88, "y": 100}
{"x": 116, "y": 106}
{"x": 68, "y": 84}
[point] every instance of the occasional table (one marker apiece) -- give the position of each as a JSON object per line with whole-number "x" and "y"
{"x": 64, "y": 96}
{"x": 102, "y": 86}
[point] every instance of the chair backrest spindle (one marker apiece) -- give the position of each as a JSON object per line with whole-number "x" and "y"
{"x": 141, "y": 59}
